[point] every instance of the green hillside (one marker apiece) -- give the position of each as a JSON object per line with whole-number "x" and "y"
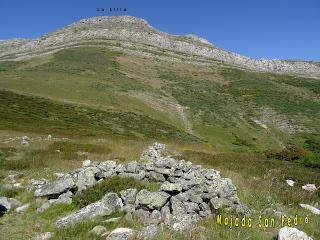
{"x": 257, "y": 128}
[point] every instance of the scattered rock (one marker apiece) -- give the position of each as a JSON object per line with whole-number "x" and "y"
{"x": 312, "y": 209}
{"x": 171, "y": 187}
{"x": 86, "y": 178}
{"x": 309, "y": 187}
{"x": 23, "y": 208}
{"x": 44, "y": 236}
{"x": 86, "y": 163}
{"x": 43, "y": 207}
{"x": 290, "y": 182}
{"x": 129, "y": 196}
{"x": 109, "y": 204}
{"x": 289, "y": 233}
{"x": 12, "y": 178}
{"x": 121, "y": 234}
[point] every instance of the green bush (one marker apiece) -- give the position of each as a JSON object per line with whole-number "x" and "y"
{"x": 313, "y": 145}
{"x": 2, "y": 155}
{"x": 290, "y": 153}
{"x": 8, "y": 192}
{"x": 311, "y": 160}
{"x": 112, "y": 184}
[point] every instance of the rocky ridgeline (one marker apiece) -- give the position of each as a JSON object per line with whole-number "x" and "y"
{"x": 131, "y": 32}
{"x": 187, "y": 194}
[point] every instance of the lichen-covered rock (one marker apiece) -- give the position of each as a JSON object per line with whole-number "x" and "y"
{"x": 129, "y": 196}
{"x": 86, "y": 178}
{"x": 153, "y": 176}
{"x": 312, "y": 209}
{"x": 110, "y": 203}
{"x": 171, "y": 187}
{"x": 152, "y": 200}
{"x": 107, "y": 169}
{"x": 149, "y": 232}
{"x": 56, "y": 188}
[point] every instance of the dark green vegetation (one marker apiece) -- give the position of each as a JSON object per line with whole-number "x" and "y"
{"x": 112, "y": 184}
{"x": 34, "y": 114}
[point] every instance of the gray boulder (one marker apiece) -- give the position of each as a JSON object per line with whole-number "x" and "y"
{"x": 86, "y": 178}
{"x": 107, "y": 169}
{"x": 132, "y": 167}
{"x": 289, "y": 233}
{"x": 129, "y": 196}
{"x": 153, "y": 153}
{"x": 177, "y": 206}
{"x": 152, "y": 200}
{"x": 56, "y": 188}
{"x": 153, "y": 176}
{"x": 171, "y": 187}
{"x": 89, "y": 212}
{"x": 191, "y": 207}
{"x": 122, "y": 234}
{"x": 5, "y": 205}
{"x": 43, "y": 207}
{"x": 110, "y": 203}
{"x": 23, "y": 208}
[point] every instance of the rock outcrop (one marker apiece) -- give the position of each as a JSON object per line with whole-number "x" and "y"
{"x": 136, "y": 36}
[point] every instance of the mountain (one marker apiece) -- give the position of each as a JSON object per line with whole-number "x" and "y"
{"x": 129, "y": 33}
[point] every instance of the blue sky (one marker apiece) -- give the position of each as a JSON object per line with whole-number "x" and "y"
{"x": 285, "y": 29}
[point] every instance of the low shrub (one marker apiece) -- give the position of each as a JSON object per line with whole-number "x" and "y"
{"x": 8, "y": 192}
{"x": 311, "y": 160}
{"x": 290, "y": 153}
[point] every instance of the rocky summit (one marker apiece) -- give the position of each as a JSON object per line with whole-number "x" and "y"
{"x": 135, "y": 36}
{"x": 187, "y": 192}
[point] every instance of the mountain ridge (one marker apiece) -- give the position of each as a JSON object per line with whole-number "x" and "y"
{"x": 126, "y": 33}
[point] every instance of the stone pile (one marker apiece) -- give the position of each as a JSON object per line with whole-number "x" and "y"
{"x": 188, "y": 192}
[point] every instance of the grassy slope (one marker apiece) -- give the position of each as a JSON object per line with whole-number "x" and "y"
{"x": 109, "y": 105}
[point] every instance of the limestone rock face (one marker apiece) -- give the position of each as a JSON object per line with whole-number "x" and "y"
{"x": 135, "y": 32}
{"x": 289, "y": 233}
